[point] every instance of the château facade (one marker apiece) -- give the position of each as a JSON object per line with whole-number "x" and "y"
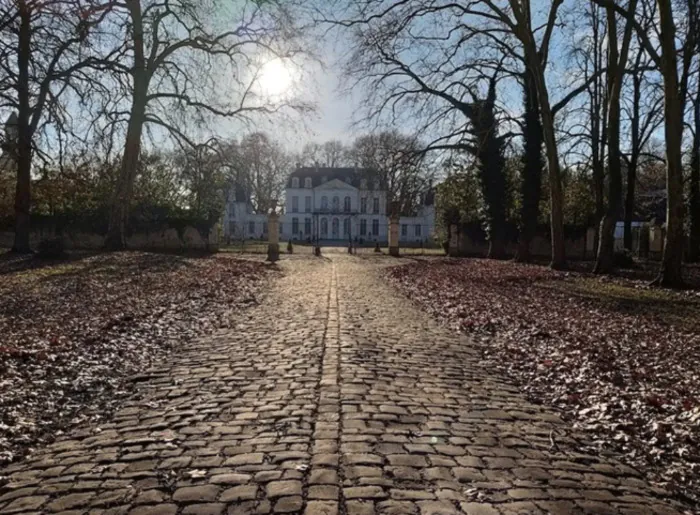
{"x": 332, "y": 205}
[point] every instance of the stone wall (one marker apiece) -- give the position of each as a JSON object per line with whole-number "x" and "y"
{"x": 166, "y": 238}
{"x": 541, "y": 246}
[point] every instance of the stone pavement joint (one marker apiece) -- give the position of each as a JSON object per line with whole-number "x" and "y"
{"x": 334, "y": 396}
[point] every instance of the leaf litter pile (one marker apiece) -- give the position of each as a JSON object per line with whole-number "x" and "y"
{"x": 621, "y": 360}
{"x": 71, "y": 334}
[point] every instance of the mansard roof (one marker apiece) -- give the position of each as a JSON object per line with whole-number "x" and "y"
{"x": 321, "y": 174}
{"x": 349, "y": 175}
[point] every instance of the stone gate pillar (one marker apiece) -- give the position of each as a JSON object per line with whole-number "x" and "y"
{"x": 394, "y": 236}
{"x": 273, "y": 237}
{"x": 656, "y": 241}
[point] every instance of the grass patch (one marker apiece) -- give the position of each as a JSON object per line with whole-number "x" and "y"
{"x": 673, "y": 308}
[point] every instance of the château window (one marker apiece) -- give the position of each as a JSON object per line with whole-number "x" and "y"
{"x": 404, "y": 230}
{"x": 363, "y": 205}
{"x": 375, "y": 206}
{"x": 307, "y": 182}
{"x": 307, "y": 226}
{"x": 251, "y": 228}
{"x": 336, "y": 204}
{"x": 418, "y": 230}
{"x": 363, "y": 184}
{"x": 295, "y": 226}
{"x": 324, "y": 227}
{"x": 363, "y": 227}
{"x": 346, "y": 227}
{"x": 324, "y": 202}
{"x": 375, "y": 227}
{"x": 307, "y": 204}
{"x": 295, "y": 204}
{"x": 347, "y": 204}
{"x": 295, "y": 182}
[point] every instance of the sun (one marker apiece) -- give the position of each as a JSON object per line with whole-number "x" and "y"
{"x": 275, "y": 78}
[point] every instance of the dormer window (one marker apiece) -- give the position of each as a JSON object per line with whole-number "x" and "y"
{"x": 376, "y": 185}
{"x": 363, "y": 184}
{"x": 295, "y": 182}
{"x": 307, "y": 182}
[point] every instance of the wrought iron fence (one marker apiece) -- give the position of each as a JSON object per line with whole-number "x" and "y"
{"x": 251, "y": 237}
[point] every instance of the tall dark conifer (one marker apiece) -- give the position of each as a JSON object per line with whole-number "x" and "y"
{"x": 694, "y": 197}
{"x": 488, "y": 149}
{"x": 533, "y": 164}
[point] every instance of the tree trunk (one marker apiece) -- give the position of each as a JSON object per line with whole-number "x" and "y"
{"x": 694, "y": 200}
{"x": 556, "y": 199}
{"x": 630, "y": 202}
{"x": 497, "y": 248}
{"x": 532, "y": 170}
{"x": 522, "y": 253}
{"x": 121, "y": 200}
{"x": 616, "y": 64}
{"x": 598, "y": 172}
{"x": 535, "y": 61}
{"x": 24, "y": 142}
{"x": 598, "y": 131}
{"x": 671, "y": 273}
{"x": 489, "y": 155}
{"x": 634, "y": 157}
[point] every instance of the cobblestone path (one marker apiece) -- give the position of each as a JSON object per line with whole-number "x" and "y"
{"x": 334, "y": 396}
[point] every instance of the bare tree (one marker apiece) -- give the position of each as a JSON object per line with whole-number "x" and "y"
{"x": 180, "y": 53}
{"x": 532, "y": 168}
{"x": 263, "y": 166}
{"x": 44, "y": 56}
{"x": 586, "y": 124}
{"x": 396, "y": 161}
{"x": 643, "y": 112}
{"x": 202, "y": 173}
{"x": 536, "y": 53}
{"x": 311, "y": 155}
{"x": 334, "y": 153}
{"x": 671, "y": 267}
{"x": 329, "y": 153}
{"x": 598, "y": 108}
{"x": 421, "y": 55}
{"x": 617, "y": 61}
{"x": 675, "y": 86}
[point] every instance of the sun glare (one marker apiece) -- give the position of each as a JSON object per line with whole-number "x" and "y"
{"x": 275, "y": 78}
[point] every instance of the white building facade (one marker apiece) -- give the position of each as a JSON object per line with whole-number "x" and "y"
{"x": 240, "y": 222}
{"x": 332, "y": 206}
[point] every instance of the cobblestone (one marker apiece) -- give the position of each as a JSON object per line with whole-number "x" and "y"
{"x": 333, "y": 396}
